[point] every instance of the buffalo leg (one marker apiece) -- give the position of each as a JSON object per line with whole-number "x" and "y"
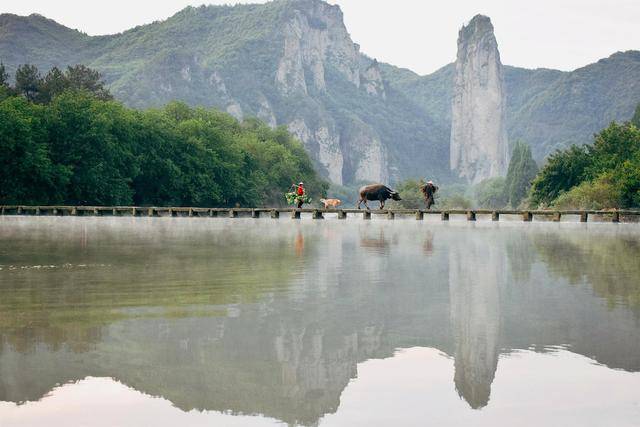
{"x": 381, "y": 204}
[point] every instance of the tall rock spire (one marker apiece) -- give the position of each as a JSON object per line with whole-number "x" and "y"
{"x": 479, "y": 146}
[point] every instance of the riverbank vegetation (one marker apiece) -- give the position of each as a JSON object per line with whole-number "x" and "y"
{"x": 63, "y": 140}
{"x": 494, "y": 193}
{"x": 602, "y": 175}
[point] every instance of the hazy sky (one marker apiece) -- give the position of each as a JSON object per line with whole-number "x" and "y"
{"x": 417, "y": 34}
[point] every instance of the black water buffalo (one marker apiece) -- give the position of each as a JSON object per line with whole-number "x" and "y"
{"x": 378, "y": 192}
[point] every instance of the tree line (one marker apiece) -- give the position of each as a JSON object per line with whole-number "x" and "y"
{"x": 64, "y": 140}
{"x": 601, "y": 175}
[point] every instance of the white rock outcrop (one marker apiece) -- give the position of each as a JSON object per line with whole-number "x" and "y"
{"x": 323, "y": 143}
{"x": 315, "y": 42}
{"x": 314, "y": 36}
{"x": 479, "y": 145}
{"x": 372, "y": 80}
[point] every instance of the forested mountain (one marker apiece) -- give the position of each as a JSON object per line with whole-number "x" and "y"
{"x": 293, "y": 62}
{"x": 287, "y": 62}
{"x": 548, "y": 109}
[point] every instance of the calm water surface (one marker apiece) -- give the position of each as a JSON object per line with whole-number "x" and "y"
{"x": 128, "y": 322}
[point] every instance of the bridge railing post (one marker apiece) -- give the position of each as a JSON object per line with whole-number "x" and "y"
{"x": 275, "y": 214}
{"x": 342, "y": 214}
{"x": 444, "y": 216}
{"x": 295, "y": 214}
{"x": 471, "y": 215}
{"x": 527, "y": 216}
{"x": 495, "y": 216}
{"x": 419, "y": 215}
{"x": 391, "y": 215}
{"x": 557, "y": 217}
{"x": 366, "y": 214}
{"x": 584, "y": 217}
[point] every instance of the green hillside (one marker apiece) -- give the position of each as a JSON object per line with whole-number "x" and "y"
{"x": 548, "y": 109}
{"x": 228, "y": 57}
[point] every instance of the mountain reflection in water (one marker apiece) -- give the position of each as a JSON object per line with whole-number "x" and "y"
{"x": 273, "y": 318}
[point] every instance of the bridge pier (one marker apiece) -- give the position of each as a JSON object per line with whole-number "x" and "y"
{"x": 615, "y": 217}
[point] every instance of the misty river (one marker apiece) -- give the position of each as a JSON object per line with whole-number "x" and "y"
{"x": 207, "y": 321}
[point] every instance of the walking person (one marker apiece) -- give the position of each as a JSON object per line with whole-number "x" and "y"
{"x": 300, "y": 192}
{"x": 428, "y": 191}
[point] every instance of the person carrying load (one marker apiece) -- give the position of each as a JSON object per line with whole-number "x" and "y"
{"x": 297, "y": 195}
{"x": 428, "y": 191}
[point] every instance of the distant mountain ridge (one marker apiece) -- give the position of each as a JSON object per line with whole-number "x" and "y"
{"x": 293, "y": 62}
{"x": 548, "y": 109}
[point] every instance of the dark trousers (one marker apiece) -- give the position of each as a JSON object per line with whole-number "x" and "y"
{"x": 429, "y": 201}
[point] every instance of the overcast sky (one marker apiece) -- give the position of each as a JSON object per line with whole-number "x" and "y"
{"x": 416, "y": 34}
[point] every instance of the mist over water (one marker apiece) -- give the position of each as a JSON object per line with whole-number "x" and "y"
{"x": 165, "y": 321}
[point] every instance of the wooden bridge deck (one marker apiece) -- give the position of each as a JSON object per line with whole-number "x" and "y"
{"x": 470, "y": 214}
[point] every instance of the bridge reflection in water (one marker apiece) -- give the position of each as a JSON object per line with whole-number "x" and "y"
{"x": 275, "y": 320}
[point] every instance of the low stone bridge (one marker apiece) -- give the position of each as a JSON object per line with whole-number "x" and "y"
{"x": 419, "y": 214}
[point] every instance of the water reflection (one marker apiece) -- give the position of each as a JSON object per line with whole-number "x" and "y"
{"x": 272, "y": 318}
{"x": 476, "y": 272}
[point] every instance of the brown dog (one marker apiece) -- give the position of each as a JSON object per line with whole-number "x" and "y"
{"x": 333, "y": 203}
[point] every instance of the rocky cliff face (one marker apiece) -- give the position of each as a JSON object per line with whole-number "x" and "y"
{"x": 293, "y": 63}
{"x": 316, "y": 43}
{"x": 479, "y": 147}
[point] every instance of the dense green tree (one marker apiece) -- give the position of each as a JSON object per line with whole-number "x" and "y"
{"x": 522, "y": 171}
{"x": 4, "y": 76}
{"x": 563, "y": 170}
{"x": 636, "y": 117}
{"x": 492, "y": 193}
{"x": 79, "y": 149}
{"x": 604, "y": 174}
{"x": 36, "y": 88}
{"x": 53, "y": 84}
{"x": 94, "y": 140}
{"x": 5, "y": 89}
{"x": 28, "y": 81}
{"x": 85, "y": 78}
{"x": 27, "y": 173}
